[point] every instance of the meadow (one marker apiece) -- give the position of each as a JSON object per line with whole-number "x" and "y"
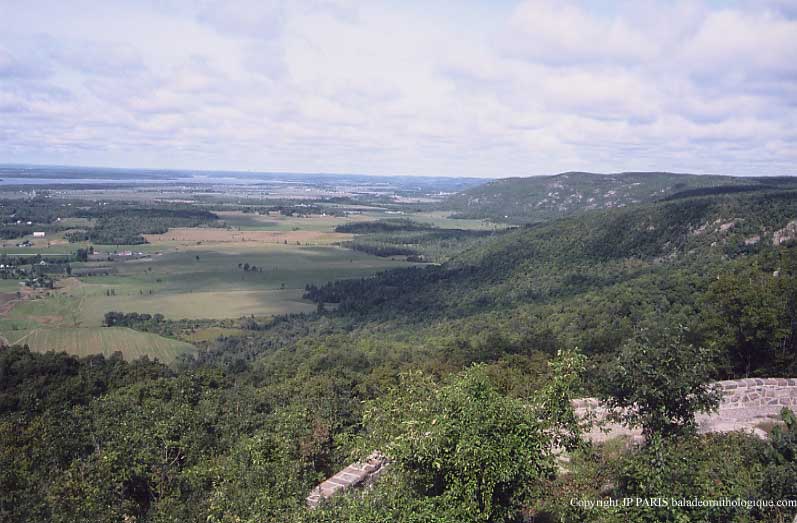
{"x": 256, "y": 266}
{"x": 83, "y": 341}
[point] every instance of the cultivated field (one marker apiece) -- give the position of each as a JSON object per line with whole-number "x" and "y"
{"x": 83, "y": 341}
{"x": 217, "y": 235}
{"x": 257, "y": 265}
{"x": 276, "y": 222}
{"x": 201, "y": 281}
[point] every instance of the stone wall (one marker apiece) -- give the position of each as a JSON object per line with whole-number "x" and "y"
{"x": 759, "y": 392}
{"x": 355, "y": 475}
{"x": 745, "y": 405}
{"x": 744, "y": 393}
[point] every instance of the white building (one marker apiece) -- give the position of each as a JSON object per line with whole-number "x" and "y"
{"x": 38, "y": 235}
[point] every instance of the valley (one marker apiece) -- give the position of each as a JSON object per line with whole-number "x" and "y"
{"x": 248, "y": 261}
{"x": 311, "y": 325}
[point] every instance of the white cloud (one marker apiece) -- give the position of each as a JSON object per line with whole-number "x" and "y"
{"x": 550, "y": 32}
{"x": 413, "y": 88}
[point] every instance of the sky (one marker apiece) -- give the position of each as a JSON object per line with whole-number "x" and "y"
{"x": 494, "y": 88}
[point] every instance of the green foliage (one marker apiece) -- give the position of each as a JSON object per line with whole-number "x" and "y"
{"x": 389, "y": 225}
{"x": 124, "y": 225}
{"x": 469, "y": 451}
{"x": 704, "y": 468}
{"x": 587, "y": 281}
{"x": 247, "y": 429}
{"x": 752, "y": 313}
{"x": 659, "y": 385}
{"x": 780, "y": 482}
{"x": 32, "y": 383}
{"x": 556, "y": 400}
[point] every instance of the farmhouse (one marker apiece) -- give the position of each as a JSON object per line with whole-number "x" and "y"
{"x": 38, "y": 234}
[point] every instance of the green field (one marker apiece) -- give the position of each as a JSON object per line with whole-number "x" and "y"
{"x": 178, "y": 285}
{"x": 276, "y": 222}
{"x": 83, "y": 341}
{"x": 181, "y": 279}
{"x": 9, "y": 285}
{"x": 441, "y": 219}
{"x": 202, "y": 279}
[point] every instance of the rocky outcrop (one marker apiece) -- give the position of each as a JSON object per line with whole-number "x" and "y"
{"x": 786, "y": 234}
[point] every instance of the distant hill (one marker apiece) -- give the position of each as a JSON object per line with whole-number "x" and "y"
{"x": 542, "y": 198}
{"x": 588, "y": 280}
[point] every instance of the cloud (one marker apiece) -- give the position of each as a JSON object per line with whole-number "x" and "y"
{"x": 529, "y": 87}
{"x": 558, "y": 33}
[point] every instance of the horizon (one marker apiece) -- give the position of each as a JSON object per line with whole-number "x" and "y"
{"x": 371, "y": 175}
{"x": 469, "y": 90}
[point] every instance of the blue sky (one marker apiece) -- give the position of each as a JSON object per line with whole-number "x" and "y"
{"x": 453, "y": 88}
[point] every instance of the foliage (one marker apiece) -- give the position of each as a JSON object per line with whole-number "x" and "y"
{"x": 472, "y": 452}
{"x": 659, "y": 385}
{"x": 753, "y": 315}
{"x": 124, "y": 225}
{"x": 444, "y": 368}
{"x": 382, "y": 226}
{"x": 780, "y": 482}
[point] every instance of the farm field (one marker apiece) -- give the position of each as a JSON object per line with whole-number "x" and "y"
{"x": 10, "y": 285}
{"x": 441, "y": 219}
{"x": 275, "y": 222}
{"x": 254, "y": 265}
{"x": 189, "y": 281}
{"x": 249, "y": 221}
{"x": 196, "y": 234}
{"x": 259, "y": 267}
{"x": 83, "y": 341}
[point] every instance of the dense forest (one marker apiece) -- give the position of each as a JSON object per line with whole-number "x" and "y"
{"x": 460, "y": 372}
{"x": 125, "y": 225}
{"x": 417, "y": 241}
{"x": 108, "y": 223}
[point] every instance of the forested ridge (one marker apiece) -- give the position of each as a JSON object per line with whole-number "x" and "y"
{"x": 461, "y": 372}
{"x": 591, "y": 281}
{"x": 541, "y": 198}
{"x": 417, "y": 241}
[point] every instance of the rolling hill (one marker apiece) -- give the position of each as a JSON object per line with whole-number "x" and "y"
{"x": 588, "y": 280}
{"x": 541, "y": 198}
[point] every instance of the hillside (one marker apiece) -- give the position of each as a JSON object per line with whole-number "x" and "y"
{"x": 266, "y": 413}
{"x": 590, "y": 280}
{"x": 541, "y": 198}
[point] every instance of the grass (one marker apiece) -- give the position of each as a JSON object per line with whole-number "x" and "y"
{"x": 276, "y": 222}
{"x": 9, "y": 285}
{"x": 193, "y": 281}
{"x": 178, "y": 285}
{"x": 209, "y": 334}
{"x": 441, "y": 219}
{"x": 83, "y": 341}
{"x": 200, "y": 305}
{"x": 193, "y": 277}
